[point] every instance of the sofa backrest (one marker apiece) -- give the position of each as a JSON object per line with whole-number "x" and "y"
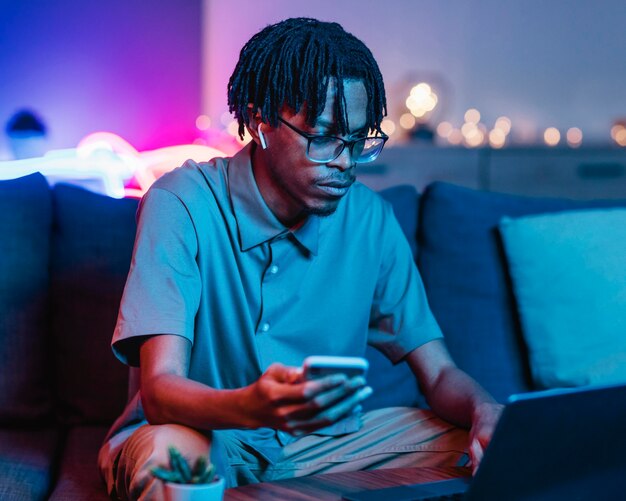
{"x": 25, "y": 222}
{"x": 92, "y": 244}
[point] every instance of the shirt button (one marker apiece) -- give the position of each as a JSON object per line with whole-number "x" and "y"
{"x": 274, "y": 269}
{"x": 265, "y": 327}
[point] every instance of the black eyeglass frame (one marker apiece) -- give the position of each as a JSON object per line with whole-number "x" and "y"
{"x": 346, "y": 144}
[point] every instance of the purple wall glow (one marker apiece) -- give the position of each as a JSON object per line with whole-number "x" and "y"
{"x": 132, "y": 68}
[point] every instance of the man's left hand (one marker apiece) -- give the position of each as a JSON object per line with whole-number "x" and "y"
{"x": 484, "y": 421}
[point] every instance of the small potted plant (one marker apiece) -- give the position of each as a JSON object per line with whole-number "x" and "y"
{"x": 183, "y": 482}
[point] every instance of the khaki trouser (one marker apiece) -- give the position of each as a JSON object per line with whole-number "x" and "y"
{"x": 389, "y": 438}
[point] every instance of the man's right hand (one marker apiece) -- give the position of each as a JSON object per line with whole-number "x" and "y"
{"x": 281, "y": 399}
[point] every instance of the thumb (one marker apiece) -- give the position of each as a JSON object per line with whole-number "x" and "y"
{"x": 476, "y": 454}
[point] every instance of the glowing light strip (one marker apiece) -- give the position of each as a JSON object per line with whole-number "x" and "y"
{"x": 104, "y": 162}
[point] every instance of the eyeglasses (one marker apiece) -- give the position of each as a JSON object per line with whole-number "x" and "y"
{"x": 322, "y": 148}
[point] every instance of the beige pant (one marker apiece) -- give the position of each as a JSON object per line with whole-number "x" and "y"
{"x": 389, "y": 438}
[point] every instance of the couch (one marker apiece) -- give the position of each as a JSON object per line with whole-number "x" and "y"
{"x": 64, "y": 255}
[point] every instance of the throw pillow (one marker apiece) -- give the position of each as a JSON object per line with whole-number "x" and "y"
{"x": 569, "y": 280}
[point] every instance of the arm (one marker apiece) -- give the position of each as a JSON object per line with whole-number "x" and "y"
{"x": 279, "y": 399}
{"x": 455, "y": 396}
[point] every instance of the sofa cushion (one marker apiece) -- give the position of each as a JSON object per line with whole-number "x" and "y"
{"x": 569, "y": 279}
{"x": 462, "y": 263}
{"x": 92, "y": 245}
{"x": 27, "y": 459}
{"x": 25, "y": 222}
{"x": 79, "y": 478}
{"x": 395, "y": 385}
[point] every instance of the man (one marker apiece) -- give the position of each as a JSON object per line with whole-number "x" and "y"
{"x": 244, "y": 266}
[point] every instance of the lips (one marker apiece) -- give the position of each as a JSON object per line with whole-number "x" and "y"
{"x": 335, "y": 188}
{"x": 337, "y": 185}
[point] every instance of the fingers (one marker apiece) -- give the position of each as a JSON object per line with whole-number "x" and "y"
{"x": 304, "y": 401}
{"x": 486, "y": 417}
{"x": 323, "y": 395}
{"x": 318, "y": 387}
{"x": 476, "y": 455}
{"x": 332, "y": 414}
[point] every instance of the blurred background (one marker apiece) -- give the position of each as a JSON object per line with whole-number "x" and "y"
{"x": 478, "y": 91}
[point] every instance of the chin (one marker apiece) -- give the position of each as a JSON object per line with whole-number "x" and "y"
{"x": 322, "y": 211}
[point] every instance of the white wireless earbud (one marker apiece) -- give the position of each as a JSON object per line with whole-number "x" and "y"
{"x": 261, "y": 138}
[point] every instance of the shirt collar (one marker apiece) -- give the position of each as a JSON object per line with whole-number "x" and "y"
{"x": 256, "y": 223}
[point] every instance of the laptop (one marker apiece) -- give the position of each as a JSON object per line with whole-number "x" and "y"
{"x": 549, "y": 445}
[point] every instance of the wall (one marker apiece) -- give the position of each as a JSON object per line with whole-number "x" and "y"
{"x": 129, "y": 67}
{"x": 542, "y": 63}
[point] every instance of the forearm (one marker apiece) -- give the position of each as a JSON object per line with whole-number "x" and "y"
{"x": 170, "y": 398}
{"x": 456, "y": 397}
{"x": 450, "y": 392}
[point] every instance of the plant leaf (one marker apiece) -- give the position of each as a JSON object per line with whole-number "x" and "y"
{"x": 200, "y": 466}
{"x": 173, "y": 452}
{"x": 166, "y": 475}
{"x": 208, "y": 475}
{"x": 181, "y": 465}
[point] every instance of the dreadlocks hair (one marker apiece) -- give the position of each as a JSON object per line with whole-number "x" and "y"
{"x": 292, "y": 62}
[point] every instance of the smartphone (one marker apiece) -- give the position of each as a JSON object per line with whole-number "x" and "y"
{"x": 319, "y": 366}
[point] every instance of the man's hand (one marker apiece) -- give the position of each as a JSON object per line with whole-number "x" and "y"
{"x": 484, "y": 421}
{"x": 281, "y": 399}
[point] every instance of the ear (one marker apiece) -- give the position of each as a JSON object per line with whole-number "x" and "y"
{"x": 253, "y": 127}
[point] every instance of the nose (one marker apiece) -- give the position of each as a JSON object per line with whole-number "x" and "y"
{"x": 344, "y": 161}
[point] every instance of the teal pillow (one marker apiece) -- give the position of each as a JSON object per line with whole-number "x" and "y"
{"x": 569, "y": 279}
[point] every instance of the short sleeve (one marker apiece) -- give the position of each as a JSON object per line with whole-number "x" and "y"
{"x": 400, "y": 319}
{"x": 162, "y": 291}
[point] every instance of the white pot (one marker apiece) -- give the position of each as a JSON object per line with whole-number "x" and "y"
{"x": 195, "y": 492}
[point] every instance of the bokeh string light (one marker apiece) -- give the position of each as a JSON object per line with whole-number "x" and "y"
{"x": 473, "y": 133}
{"x": 552, "y": 136}
{"x": 574, "y": 137}
{"x": 618, "y": 134}
{"x": 422, "y": 101}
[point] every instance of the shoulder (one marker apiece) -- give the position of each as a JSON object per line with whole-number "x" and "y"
{"x": 194, "y": 196}
{"x": 195, "y": 185}
{"x": 193, "y": 178}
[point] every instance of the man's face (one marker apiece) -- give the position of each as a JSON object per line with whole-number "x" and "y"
{"x": 291, "y": 184}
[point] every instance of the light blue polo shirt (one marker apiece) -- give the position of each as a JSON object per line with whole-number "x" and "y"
{"x": 213, "y": 264}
